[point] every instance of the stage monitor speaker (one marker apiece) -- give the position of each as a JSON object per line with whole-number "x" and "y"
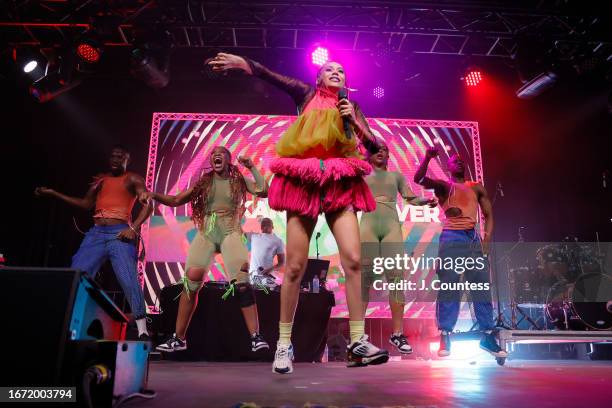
{"x": 44, "y": 308}
{"x": 126, "y": 364}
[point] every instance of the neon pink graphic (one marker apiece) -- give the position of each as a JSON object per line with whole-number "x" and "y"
{"x": 178, "y": 155}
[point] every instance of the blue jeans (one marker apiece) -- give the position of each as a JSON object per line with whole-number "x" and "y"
{"x": 101, "y": 243}
{"x": 456, "y": 244}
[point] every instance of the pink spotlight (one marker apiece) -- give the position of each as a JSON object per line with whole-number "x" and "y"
{"x": 379, "y": 92}
{"x": 320, "y": 56}
{"x": 473, "y": 78}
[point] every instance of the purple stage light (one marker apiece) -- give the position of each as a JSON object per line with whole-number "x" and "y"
{"x": 320, "y": 56}
{"x": 379, "y": 92}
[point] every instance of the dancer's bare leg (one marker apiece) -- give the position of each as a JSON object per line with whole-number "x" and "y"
{"x": 188, "y": 302}
{"x": 299, "y": 232}
{"x": 344, "y": 226}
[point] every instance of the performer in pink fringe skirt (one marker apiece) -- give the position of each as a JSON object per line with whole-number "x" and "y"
{"x": 319, "y": 171}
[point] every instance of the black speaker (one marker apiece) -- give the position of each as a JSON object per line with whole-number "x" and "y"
{"x": 43, "y": 309}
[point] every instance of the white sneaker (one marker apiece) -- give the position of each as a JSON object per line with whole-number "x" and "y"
{"x": 283, "y": 359}
{"x": 362, "y": 353}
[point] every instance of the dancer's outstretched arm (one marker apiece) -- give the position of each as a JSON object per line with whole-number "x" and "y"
{"x": 169, "y": 200}
{"x": 297, "y": 89}
{"x": 85, "y": 203}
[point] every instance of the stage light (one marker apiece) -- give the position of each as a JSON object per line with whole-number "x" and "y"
{"x": 320, "y": 56}
{"x": 30, "y": 66}
{"x": 58, "y": 81}
{"x": 145, "y": 66}
{"x": 537, "y": 85}
{"x": 473, "y": 77}
{"x": 88, "y": 53}
{"x": 379, "y": 92}
{"x": 50, "y": 86}
{"x": 89, "y": 47}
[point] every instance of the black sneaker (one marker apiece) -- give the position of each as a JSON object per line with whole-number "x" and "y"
{"x": 401, "y": 343}
{"x": 362, "y": 353}
{"x": 144, "y": 337}
{"x": 489, "y": 344}
{"x": 445, "y": 344}
{"x": 258, "y": 342}
{"x": 173, "y": 344}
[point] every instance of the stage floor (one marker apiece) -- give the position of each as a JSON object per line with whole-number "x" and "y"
{"x": 407, "y": 383}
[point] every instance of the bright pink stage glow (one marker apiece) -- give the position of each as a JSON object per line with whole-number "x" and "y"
{"x": 320, "y": 56}
{"x": 178, "y": 152}
{"x": 473, "y": 78}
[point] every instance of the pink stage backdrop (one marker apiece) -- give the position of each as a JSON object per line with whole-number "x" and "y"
{"x": 178, "y": 155}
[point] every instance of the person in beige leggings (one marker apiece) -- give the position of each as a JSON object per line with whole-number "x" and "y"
{"x": 381, "y": 235}
{"x": 217, "y": 202}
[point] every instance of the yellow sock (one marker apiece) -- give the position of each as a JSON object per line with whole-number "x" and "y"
{"x": 284, "y": 331}
{"x": 356, "y": 329}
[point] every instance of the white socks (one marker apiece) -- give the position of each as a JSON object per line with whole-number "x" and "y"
{"x": 141, "y": 324}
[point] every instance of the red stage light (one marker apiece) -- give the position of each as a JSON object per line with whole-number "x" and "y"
{"x": 473, "y": 77}
{"x": 88, "y": 53}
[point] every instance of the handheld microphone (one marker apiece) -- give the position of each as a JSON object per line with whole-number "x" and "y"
{"x": 343, "y": 94}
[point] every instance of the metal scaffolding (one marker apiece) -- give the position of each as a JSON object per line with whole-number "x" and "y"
{"x": 468, "y": 28}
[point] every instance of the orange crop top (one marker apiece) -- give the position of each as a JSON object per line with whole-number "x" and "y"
{"x": 114, "y": 200}
{"x": 464, "y": 198}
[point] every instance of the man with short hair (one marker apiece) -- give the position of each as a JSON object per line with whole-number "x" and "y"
{"x": 264, "y": 247}
{"x": 461, "y": 199}
{"x": 114, "y": 236}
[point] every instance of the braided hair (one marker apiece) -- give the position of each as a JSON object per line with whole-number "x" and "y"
{"x": 200, "y": 197}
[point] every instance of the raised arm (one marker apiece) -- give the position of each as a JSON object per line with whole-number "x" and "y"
{"x": 86, "y": 203}
{"x": 259, "y": 187}
{"x": 170, "y": 200}
{"x": 297, "y": 89}
{"x": 487, "y": 212}
{"x": 440, "y": 187}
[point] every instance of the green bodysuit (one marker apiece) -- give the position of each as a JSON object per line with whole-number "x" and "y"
{"x": 383, "y": 224}
{"x": 381, "y": 229}
{"x": 221, "y": 230}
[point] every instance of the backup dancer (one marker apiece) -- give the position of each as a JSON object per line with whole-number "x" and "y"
{"x": 381, "y": 234}
{"x": 217, "y": 202}
{"x": 318, "y": 171}
{"x": 460, "y": 200}
{"x": 114, "y": 236}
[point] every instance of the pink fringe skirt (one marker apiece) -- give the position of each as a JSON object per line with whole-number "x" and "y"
{"x": 312, "y": 186}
